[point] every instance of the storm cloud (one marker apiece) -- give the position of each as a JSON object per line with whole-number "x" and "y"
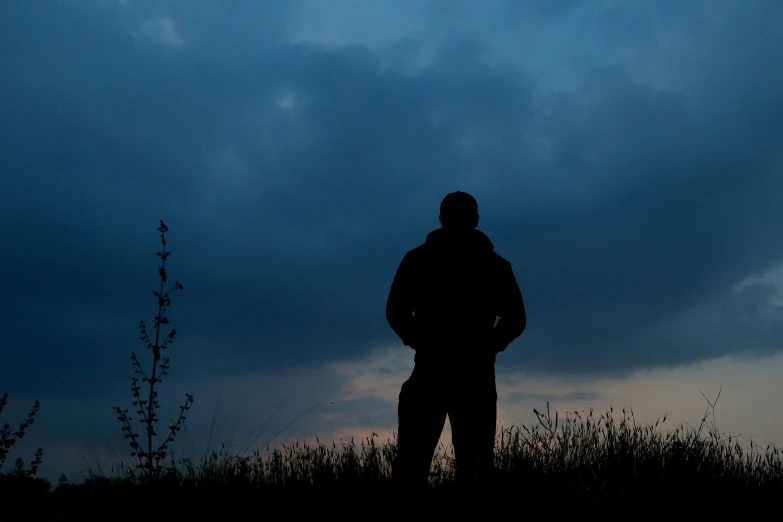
{"x": 626, "y": 160}
{"x": 294, "y": 177}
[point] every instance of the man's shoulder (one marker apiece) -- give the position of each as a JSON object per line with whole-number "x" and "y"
{"x": 500, "y": 260}
{"x": 417, "y": 252}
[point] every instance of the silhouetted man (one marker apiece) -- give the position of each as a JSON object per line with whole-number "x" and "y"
{"x": 444, "y": 301}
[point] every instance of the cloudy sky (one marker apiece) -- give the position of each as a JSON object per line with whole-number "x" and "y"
{"x": 625, "y": 156}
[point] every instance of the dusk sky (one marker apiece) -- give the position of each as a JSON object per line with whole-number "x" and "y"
{"x": 626, "y": 156}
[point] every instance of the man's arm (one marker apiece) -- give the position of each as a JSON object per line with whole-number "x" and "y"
{"x": 511, "y": 310}
{"x": 399, "y": 306}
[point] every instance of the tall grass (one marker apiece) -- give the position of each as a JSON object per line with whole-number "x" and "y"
{"x": 597, "y": 467}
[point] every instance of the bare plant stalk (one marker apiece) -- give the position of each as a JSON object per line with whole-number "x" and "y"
{"x": 149, "y": 458}
{"x": 8, "y": 438}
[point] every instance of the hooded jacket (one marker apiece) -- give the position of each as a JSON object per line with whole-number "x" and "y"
{"x": 447, "y": 295}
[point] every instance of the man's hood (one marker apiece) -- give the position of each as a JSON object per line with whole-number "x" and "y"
{"x": 470, "y": 239}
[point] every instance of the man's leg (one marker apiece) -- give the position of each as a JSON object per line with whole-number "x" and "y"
{"x": 473, "y": 416}
{"x": 422, "y": 414}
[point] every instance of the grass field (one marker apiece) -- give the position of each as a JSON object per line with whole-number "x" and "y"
{"x": 593, "y": 467}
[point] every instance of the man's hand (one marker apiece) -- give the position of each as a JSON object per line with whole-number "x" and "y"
{"x": 413, "y": 344}
{"x": 494, "y": 344}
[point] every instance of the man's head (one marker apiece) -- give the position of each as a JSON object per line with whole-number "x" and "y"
{"x": 459, "y": 210}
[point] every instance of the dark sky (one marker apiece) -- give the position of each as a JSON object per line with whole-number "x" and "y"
{"x": 625, "y": 156}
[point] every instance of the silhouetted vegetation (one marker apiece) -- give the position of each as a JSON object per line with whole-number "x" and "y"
{"x": 590, "y": 467}
{"x": 8, "y": 438}
{"x": 149, "y": 455}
